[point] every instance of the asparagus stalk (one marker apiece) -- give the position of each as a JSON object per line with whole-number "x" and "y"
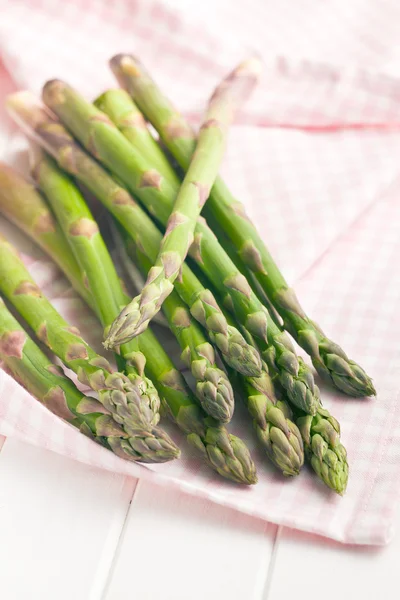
{"x": 158, "y": 194}
{"x": 277, "y": 434}
{"x": 224, "y": 210}
{"x": 212, "y": 385}
{"x": 84, "y": 119}
{"x": 272, "y": 421}
{"x": 192, "y": 195}
{"x": 120, "y": 395}
{"x": 223, "y": 452}
{"x": 272, "y": 418}
{"x": 21, "y": 204}
{"x": 49, "y": 385}
{"x": 118, "y": 106}
{"x": 326, "y": 454}
{"x": 319, "y": 434}
{"x": 51, "y": 135}
{"x": 90, "y": 251}
{"x": 230, "y": 250}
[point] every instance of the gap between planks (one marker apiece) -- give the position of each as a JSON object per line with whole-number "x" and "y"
{"x": 133, "y": 485}
{"x": 179, "y": 536}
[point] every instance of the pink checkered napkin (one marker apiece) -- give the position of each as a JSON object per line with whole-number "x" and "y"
{"x": 315, "y": 159}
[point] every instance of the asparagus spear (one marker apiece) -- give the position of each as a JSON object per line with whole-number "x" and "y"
{"x": 212, "y": 388}
{"x": 212, "y": 385}
{"x": 118, "y": 106}
{"x": 37, "y": 123}
{"x": 277, "y": 434}
{"x": 192, "y": 195}
{"x": 225, "y": 211}
{"x": 272, "y": 421}
{"x": 90, "y": 251}
{"x": 223, "y": 452}
{"x": 328, "y": 457}
{"x": 206, "y": 250}
{"x": 120, "y": 395}
{"x": 85, "y": 120}
{"x": 319, "y": 433}
{"x": 47, "y": 382}
{"x": 21, "y": 204}
{"x": 125, "y": 115}
{"x": 94, "y": 130}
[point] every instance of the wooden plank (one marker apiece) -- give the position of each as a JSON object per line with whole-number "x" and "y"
{"x": 60, "y": 523}
{"x": 304, "y": 564}
{"x": 177, "y": 547}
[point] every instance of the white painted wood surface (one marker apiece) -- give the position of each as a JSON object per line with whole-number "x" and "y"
{"x": 191, "y": 537}
{"x": 72, "y": 532}
{"x": 60, "y": 524}
{"x": 305, "y": 564}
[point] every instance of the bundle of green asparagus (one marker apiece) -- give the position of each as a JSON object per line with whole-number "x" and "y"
{"x": 23, "y": 205}
{"x": 223, "y": 297}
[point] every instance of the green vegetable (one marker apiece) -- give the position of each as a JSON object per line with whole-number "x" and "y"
{"x": 222, "y": 451}
{"x": 192, "y": 195}
{"x": 212, "y": 385}
{"x": 23, "y": 205}
{"x": 118, "y": 394}
{"x": 224, "y": 211}
{"x": 272, "y": 420}
{"x": 47, "y": 383}
{"x": 90, "y": 251}
{"x": 118, "y": 106}
{"x": 328, "y": 457}
{"x": 116, "y": 152}
{"x": 37, "y": 123}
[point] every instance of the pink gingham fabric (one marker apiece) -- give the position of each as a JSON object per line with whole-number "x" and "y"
{"x": 315, "y": 156}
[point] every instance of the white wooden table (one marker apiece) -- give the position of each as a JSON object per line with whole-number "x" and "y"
{"x": 72, "y": 532}
{"x": 68, "y": 531}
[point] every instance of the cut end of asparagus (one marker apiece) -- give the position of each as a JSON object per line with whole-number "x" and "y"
{"x": 125, "y": 64}
{"x": 252, "y": 65}
{"x": 238, "y": 85}
{"x": 53, "y": 92}
{"x": 24, "y": 108}
{"x": 37, "y": 122}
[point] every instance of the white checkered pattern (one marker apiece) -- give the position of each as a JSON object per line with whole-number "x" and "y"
{"x": 316, "y": 158}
